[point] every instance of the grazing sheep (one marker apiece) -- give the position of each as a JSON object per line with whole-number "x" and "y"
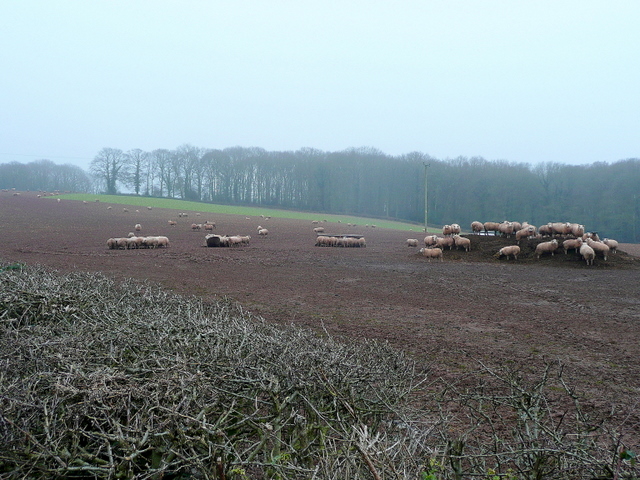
{"x": 318, "y": 229}
{"x": 112, "y": 243}
{"x": 612, "y": 244}
{"x": 208, "y": 222}
{"x": 138, "y": 227}
{"x": 430, "y": 253}
{"x": 208, "y": 226}
{"x": 587, "y": 253}
{"x": 546, "y": 247}
{"x": 263, "y": 231}
{"x": 599, "y": 247}
{"x": 125, "y": 210}
{"x": 462, "y": 242}
{"x": 245, "y": 239}
{"x": 108, "y": 208}
{"x": 572, "y": 244}
{"x": 148, "y": 208}
{"x": 412, "y": 242}
{"x": 323, "y": 241}
{"x": 510, "y": 250}
{"x": 195, "y": 226}
{"x": 235, "y": 241}
{"x": 122, "y": 243}
{"x": 477, "y": 227}
{"x": 173, "y": 223}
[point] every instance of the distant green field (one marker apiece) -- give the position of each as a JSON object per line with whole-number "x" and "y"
{"x": 186, "y": 206}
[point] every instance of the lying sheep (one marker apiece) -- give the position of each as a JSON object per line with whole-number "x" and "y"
{"x": 430, "y": 253}
{"x": 263, "y": 232}
{"x": 572, "y": 244}
{"x": 510, "y": 250}
{"x": 462, "y": 242}
{"x": 599, "y": 248}
{"x": 318, "y": 229}
{"x": 173, "y": 223}
{"x": 546, "y": 247}
{"x": 587, "y": 253}
{"x": 612, "y": 244}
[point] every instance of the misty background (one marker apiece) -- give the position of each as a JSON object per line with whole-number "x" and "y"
{"x": 523, "y": 110}
{"x": 530, "y": 81}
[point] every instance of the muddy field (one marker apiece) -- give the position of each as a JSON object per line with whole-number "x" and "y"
{"x": 472, "y": 305}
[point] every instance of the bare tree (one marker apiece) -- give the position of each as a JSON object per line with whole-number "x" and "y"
{"x": 108, "y": 166}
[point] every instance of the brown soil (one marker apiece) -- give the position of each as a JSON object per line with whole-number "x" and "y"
{"x": 496, "y": 310}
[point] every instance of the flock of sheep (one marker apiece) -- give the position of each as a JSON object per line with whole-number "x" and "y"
{"x": 564, "y": 236}
{"x": 127, "y": 243}
{"x": 340, "y": 241}
{"x": 586, "y": 244}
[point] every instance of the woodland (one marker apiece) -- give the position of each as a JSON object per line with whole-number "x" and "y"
{"x": 360, "y": 181}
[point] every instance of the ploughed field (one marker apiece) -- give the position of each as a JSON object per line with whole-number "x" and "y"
{"x": 448, "y": 315}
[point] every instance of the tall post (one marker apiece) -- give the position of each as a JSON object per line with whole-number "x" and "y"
{"x": 426, "y": 207}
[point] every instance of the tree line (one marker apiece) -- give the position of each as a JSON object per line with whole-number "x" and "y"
{"x": 44, "y": 175}
{"x": 365, "y": 181}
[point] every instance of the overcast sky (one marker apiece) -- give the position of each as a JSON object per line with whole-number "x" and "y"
{"x": 522, "y": 81}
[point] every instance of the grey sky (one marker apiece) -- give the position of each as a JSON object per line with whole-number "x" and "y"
{"x": 523, "y": 81}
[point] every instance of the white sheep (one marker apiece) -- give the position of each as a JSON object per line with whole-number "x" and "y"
{"x": 509, "y": 250}
{"x": 526, "y": 232}
{"x": 263, "y": 232}
{"x": 455, "y": 229}
{"x": 612, "y": 244}
{"x": 599, "y": 247}
{"x": 173, "y": 223}
{"x": 572, "y": 244}
{"x": 447, "y": 230}
{"x": 318, "y": 229}
{"x": 477, "y": 227}
{"x": 430, "y": 240}
{"x": 462, "y": 242}
{"x": 587, "y": 253}
{"x": 412, "y": 242}
{"x": 491, "y": 227}
{"x": 208, "y": 227}
{"x": 430, "y": 253}
{"x": 138, "y": 227}
{"x": 506, "y": 228}
{"x": 546, "y": 247}
{"x": 443, "y": 242}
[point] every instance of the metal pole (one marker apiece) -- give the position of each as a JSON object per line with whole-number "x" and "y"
{"x": 426, "y": 208}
